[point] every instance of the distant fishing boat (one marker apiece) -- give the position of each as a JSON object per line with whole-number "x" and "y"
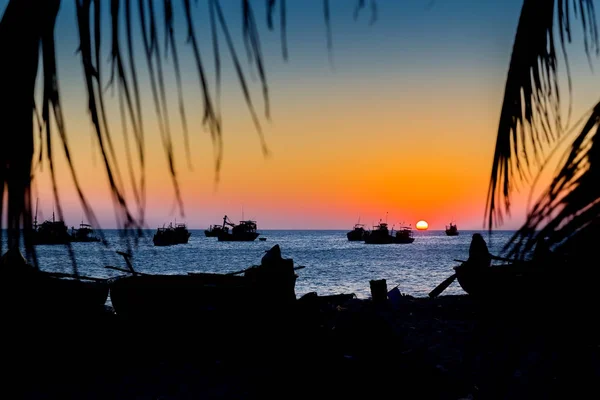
{"x": 182, "y": 235}
{"x": 358, "y": 233}
{"x": 404, "y": 235}
{"x": 85, "y": 233}
{"x": 171, "y": 235}
{"x": 245, "y": 231}
{"x": 50, "y": 231}
{"x": 214, "y": 230}
{"x": 451, "y": 230}
{"x": 380, "y": 235}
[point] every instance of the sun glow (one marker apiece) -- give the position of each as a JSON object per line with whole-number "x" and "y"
{"x": 422, "y": 225}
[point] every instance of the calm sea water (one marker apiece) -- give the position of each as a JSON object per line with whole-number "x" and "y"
{"x": 332, "y": 263}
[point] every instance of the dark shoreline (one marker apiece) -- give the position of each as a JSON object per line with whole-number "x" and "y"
{"x": 450, "y": 347}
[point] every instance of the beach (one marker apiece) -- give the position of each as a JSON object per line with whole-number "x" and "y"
{"x": 333, "y": 263}
{"x": 357, "y": 244}
{"x": 448, "y": 348}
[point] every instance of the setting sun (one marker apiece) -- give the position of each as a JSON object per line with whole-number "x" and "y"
{"x": 422, "y": 225}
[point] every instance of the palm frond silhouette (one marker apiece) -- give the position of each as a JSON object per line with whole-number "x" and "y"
{"x": 27, "y": 31}
{"x": 531, "y": 124}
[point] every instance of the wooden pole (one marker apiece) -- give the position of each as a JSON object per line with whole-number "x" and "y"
{"x": 442, "y": 286}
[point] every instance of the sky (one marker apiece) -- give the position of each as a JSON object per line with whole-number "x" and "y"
{"x": 398, "y": 122}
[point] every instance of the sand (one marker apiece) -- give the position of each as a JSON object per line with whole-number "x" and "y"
{"x": 451, "y": 347}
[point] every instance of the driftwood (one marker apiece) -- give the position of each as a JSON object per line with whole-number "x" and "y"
{"x": 442, "y": 286}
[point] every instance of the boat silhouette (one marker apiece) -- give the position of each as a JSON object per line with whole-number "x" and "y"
{"x": 85, "y": 233}
{"x": 451, "y": 230}
{"x": 49, "y": 231}
{"x": 358, "y": 233}
{"x": 171, "y": 235}
{"x": 214, "y": 230}
{"x": 404, "y": 235}
{"x": 245, "y": 231}
{"x": 35, "y": 293}
{"x": 380, "y": 234}
{"x": 216, "y": 300}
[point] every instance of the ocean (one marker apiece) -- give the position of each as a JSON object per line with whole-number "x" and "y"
{"x": 332, "y": 263}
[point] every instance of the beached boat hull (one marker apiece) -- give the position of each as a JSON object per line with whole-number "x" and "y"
{"x": 504, "y": 281}
{"x": 73, "y": 294}
{"x": 178, "y": 299}
{"x": 37, "y": 292}
{"x": 174, "y": 296}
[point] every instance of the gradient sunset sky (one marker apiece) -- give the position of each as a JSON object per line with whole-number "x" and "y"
{"x": 402, "y": 120}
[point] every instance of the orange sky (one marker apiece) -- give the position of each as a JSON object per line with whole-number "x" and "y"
{"x": 374, "y": 135}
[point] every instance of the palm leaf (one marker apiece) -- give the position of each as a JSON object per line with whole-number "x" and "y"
{"x": 530, "y": 119}
{"x": 568, "y": 212}
{"x": 21, "y": 41}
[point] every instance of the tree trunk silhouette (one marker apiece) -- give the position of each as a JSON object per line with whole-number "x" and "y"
{"x": 21, "y": 30}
